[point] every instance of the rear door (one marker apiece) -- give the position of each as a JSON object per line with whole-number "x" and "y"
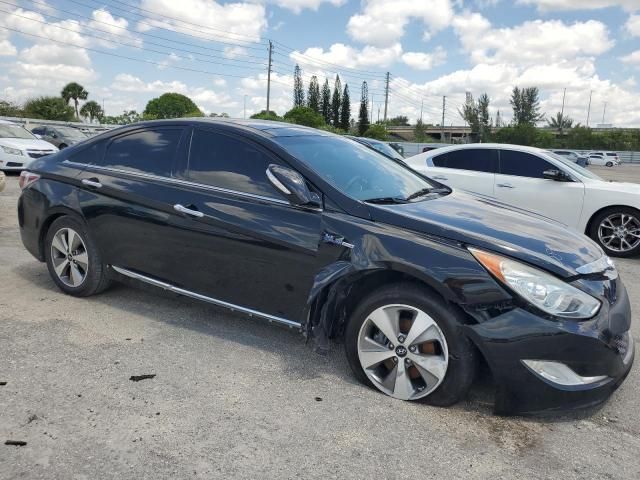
{"x": 471, "y": 169}
{"x": 127, "y": 197}
{"x": 520, "y": 182}
{"x": 247, "y": 246}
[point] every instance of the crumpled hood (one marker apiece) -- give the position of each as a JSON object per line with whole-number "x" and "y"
{"x": 27, "y": 143}
{"x": 478, "y": 221}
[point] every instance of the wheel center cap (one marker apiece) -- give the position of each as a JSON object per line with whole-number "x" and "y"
{"x": 69, "y": 257}
{"x": 401, "y": 351}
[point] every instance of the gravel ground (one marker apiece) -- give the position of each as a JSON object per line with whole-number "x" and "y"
{"x": 237, "y": 398}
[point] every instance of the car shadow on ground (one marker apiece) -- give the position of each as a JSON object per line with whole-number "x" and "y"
{"x": 298, "y": 358}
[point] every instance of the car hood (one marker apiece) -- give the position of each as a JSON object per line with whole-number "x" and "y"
{"x": 27, "y": 143}
{"x": 478, "y": 221}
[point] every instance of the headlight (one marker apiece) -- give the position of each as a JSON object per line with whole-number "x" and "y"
{"x": 541, "y": 289}
{"x": 12, "y": 151}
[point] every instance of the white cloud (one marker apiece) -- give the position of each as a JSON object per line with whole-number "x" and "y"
{"x": 104, "y": 24}
{"x": 53, "y": 54}
{"x": 347, "y": 56}
{"x": 207, "y": 19}
{"x": 545, "y": 5}
{"x": 298, "y": 5}
{"x": 7, "y": 49}
{"x": 23, "y": 20}
{"x": 633, "y": 25}
{"x": 532, "y": 42}
{"x": 425, "y": 61}
{"x": 382, "y": 22}
{"x": 633, "y": 58}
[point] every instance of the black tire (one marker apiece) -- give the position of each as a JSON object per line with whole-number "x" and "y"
{"x": 462, "y": 354}
{"x": 609, "y": 164}
{"x": 95, "y": 280}
{"x": 598, "y": 219}
{"x": 62, "y": 146}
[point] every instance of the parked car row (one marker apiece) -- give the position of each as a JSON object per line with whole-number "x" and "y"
{"x": 605, "y": 159}
{"x": 321, "y": 233}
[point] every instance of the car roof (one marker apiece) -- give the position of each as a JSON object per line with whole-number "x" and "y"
{"x": 266, "y": 127}
{"x": 497, "y": 146}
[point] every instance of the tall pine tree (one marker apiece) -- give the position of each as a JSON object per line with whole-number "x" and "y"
{"x": 336, "y": 102}
{"x": 345, "y": 110}
{"x": 313, "y": 97}
{"x": 363, "y": 116}
{"x": 325, "y": 102}
{"x": 298, "y": 88}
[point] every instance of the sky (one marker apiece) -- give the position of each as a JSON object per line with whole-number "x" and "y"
{"x": 126, "y": 52}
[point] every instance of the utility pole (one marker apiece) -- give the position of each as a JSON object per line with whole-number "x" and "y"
{"x": 562, "y": 111}
{"x": 371, "y": 110}
{"x": 421, "y": 106}
{"x": 589, "y": 108}
{"x": 269, "y": 76}
{"x": 444, "y": 104}
{"x": 386, "y": 97}
{"x": 604, "y": 110}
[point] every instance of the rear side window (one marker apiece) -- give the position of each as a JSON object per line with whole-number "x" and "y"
{"x": 523, "y": 164}
{"x": 475, "y": 159}
{"x": 38, "y": 131}
{"x": 228, "y": 162}
{"x": 148, "y": 151}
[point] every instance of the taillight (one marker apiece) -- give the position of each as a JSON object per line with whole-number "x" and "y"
{"x": 27, "y": 179}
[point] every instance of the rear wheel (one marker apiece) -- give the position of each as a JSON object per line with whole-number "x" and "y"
{"x": 406, "y": 342}
{"x": 617, "y": 230}
{"x": 609, "y": 164}
{"x": 73, "y": 261}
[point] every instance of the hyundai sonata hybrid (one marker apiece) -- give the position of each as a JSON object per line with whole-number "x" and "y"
{"x": 300, "y": 227}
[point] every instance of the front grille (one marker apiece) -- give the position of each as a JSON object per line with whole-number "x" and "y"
{"x": 39, "y": 153}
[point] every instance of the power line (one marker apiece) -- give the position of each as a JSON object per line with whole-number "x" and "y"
{"x": 146, "y": 34}
{"x": 209, "y": 27}
{"x": 138, "y": 47}
{"x": 111, "y": 54}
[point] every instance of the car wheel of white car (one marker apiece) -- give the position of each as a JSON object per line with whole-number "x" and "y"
{"x": 617, "y": 230}
{"x": 609, "y": 164}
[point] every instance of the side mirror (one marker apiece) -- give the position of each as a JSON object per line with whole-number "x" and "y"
{"x": 557, "y": 175}
{"x": 293, "y": 186}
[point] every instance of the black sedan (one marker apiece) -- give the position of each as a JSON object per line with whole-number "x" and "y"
{"x": 313, "y": 231}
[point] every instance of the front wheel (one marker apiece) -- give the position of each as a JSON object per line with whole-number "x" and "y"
{"x": 617, "y": 231}
{"x": 406, "y": 342}
{"x": 609, "y": 164}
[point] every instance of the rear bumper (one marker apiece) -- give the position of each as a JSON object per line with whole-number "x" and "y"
{"x": 592, "y": 348}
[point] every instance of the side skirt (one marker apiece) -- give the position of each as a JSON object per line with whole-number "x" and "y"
{"x": 187, "y": 293}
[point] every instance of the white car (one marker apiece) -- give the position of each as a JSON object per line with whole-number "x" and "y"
{"x": 540, "y": 181}
{"x": 18, "y": 146}
{"x": 607, "y": 159}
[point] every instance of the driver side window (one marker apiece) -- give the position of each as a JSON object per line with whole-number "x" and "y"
{"x": 522, "y": 164}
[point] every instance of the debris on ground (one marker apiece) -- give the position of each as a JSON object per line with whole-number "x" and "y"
{"x": 318, "y": 399}
{"x": 2, "y": 384}
{"x": 137, "y": 378}
{"x": 15, "y": 443}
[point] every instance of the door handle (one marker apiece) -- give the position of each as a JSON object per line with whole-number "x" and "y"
{"x": 439, "y": 177}
{"x": 187, "y": 211}
{"x": 91, "y": 182}
{"x": 505, "y": 185}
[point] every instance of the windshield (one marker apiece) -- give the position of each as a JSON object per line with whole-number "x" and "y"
{"x": 575, "y": 167}
{"x": 14, "y": 131}
{"x": 71, "y": 133}
{"x": 385, "y": 149}
{"x": 354, "y": 169}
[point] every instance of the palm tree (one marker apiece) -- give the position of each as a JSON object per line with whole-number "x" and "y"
{"x": 76, "y": 92}
{"x": 92, "y": 109}
{"x": 560, "y": 122}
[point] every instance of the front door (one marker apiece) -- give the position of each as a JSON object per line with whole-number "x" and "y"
{"x": 520, "y": 182}
{"x": 248, "y": 246}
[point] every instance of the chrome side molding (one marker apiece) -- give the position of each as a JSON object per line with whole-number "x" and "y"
{"x": 187, "y": 293}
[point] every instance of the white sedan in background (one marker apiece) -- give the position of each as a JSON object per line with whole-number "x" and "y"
{"x": 18, "y": 146}
{"x": 540, "y": 181}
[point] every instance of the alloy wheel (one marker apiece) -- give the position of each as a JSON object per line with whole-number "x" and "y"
{"x": 620, "y": 232}
{"x": 69, "y": 257}
{"x": 402, "y": 351}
